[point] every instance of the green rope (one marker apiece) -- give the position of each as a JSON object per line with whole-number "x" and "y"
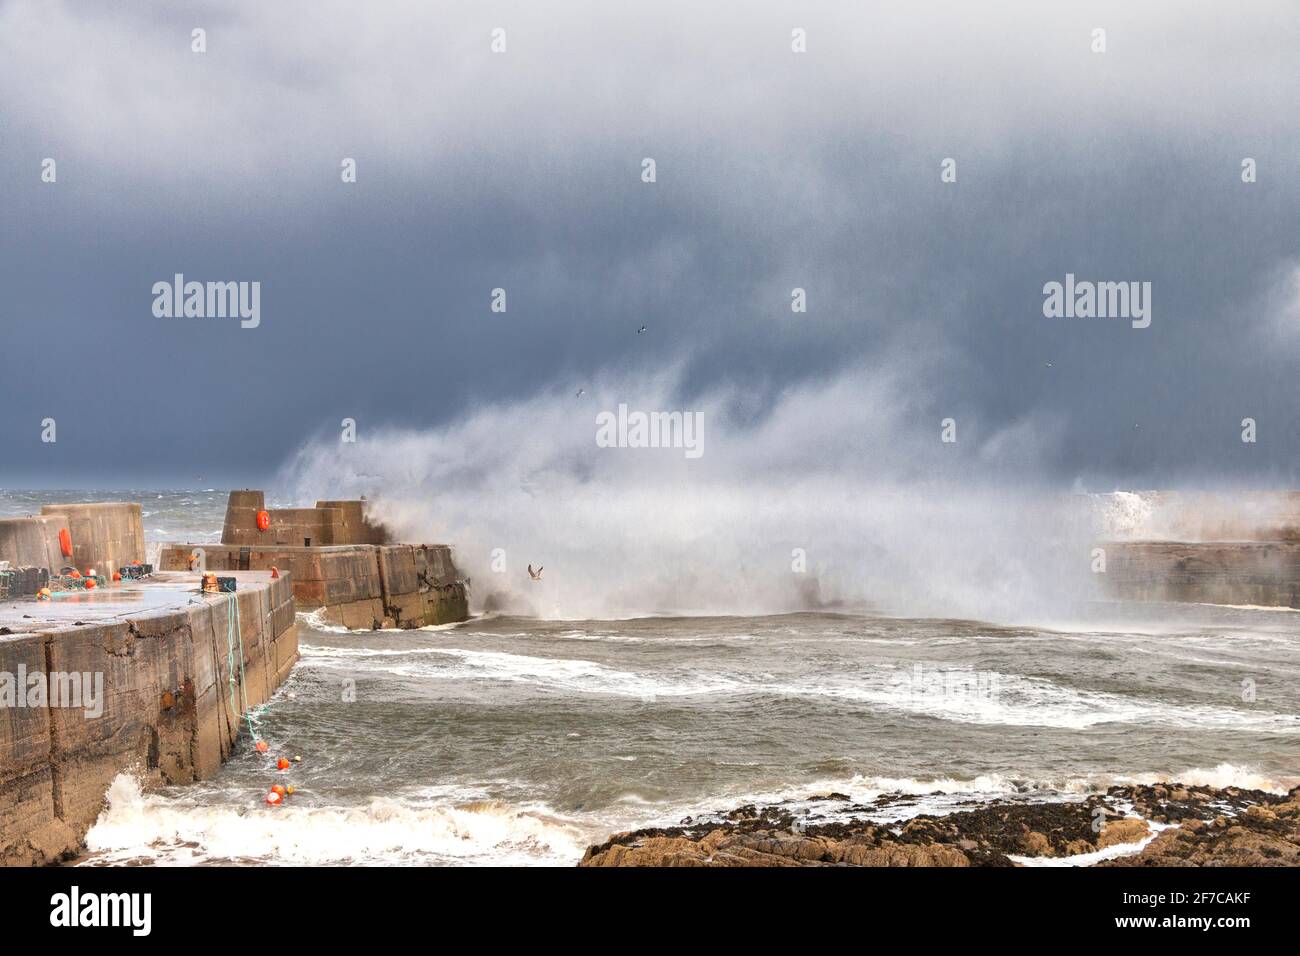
{"x": 232, "y": 629}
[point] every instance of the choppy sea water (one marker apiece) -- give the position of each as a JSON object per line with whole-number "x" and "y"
{"x": 521, "y": 741}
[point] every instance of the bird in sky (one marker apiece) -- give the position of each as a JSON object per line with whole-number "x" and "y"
{"x": 535, "y": 575}
{"x": 581, "y": 392}
{"x": 640, "y": 330}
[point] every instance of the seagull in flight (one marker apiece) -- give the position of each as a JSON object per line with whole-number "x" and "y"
{"x": 581, "y": 392}
{"x": 535, "y": 575}
{"x": 640, "y": 330}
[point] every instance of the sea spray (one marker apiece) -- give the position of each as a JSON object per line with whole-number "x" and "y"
{"x": 833, "y": 494}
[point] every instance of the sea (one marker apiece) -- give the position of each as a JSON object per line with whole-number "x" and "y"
{"x": 518, "y": 740}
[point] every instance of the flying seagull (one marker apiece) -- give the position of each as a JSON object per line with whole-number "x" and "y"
{"x": 640, "y": 330}
{"x": 535, "y": 575}
{"x": 581, "y": 392}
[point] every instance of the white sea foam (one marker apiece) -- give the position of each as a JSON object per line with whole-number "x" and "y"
{"x": 1000, "y": 699}
{"x": 1223, "y": 775}
{"x": 167, "y": 830}
{"x": 1112, "y": 852}
{"x": 456, "y": 824}
{"x": 315, "y": 620}
{"x": 580, "y": 675}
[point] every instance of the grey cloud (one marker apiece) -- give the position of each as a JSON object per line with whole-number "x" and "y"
{"x": 775, "y": 171}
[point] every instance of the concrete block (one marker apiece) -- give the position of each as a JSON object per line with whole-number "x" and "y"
{"x": 105, "y": 535}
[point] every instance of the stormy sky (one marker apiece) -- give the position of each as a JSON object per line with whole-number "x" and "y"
{"x": 522, "y": 170}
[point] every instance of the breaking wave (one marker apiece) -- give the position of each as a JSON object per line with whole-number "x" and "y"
{"x": 790, "y": 506}
{"x": 990, "y": 697}
{"x": 174, "y": 830}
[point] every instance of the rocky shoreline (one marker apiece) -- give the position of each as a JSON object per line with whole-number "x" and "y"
{"x": 1158, "y": 825}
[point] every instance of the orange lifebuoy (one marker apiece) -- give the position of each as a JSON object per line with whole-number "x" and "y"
{"x": 263, "y": 520}
{"x": 65, "y": 542}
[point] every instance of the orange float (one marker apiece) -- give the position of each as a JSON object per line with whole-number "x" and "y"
{"x": 273, "y": 798}
{"x": 90, "y": 584}
{"x": 117, "y": 575}
{"x": 263, "y": 520}
{"x": 262, "y": 746}
{"x": 282, "y": 763}
{"x": 65, "y": 542}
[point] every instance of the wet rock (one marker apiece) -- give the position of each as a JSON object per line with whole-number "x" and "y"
{"x": 1122, "y": 831}
{"x": 1213, "y": 827}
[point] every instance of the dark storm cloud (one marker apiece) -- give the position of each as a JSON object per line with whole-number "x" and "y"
{"x": 521, "y": 171}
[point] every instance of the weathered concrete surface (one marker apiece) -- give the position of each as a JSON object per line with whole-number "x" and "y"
{"x": 162, "y": 649}
{"x": 1265, "y": 574}
{"x": 329, "y": 523}
{"x": 1239, "y": 548}
{"x": 105, "y": 535}
{"x": 341, "y": 562}
{"x": 361, "y": 587}
{"x": 33, "y": 541}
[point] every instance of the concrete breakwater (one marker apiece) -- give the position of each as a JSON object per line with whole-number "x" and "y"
{"x": 161, "y": 654}
{"x": 1262, "y": 574}
{"x": 148, "y": 676}
{"x": 1204, "y": 548}
{"x": 340, "y": 562}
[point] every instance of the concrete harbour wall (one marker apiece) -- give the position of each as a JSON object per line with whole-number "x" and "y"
{"x": 33, "y": 542}
{"x": 161, "y": 648}
{"x": 105, "y": 535}
{"x": 361, "y": 587}
{"x": 1241, "y": 549}
{"x": 1265, "y": 574}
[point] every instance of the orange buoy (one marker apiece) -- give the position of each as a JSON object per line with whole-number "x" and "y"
{"x": 117, "y": 575}
{"x": 90, "y": 584}
{"x": 43, "y": 594}
{"x": 282, "y": 763}
{"x": 91, "y": 573}
{"x": 261, "y": 746}
{"x": 273, "y": 798}
{"x": 74, "y": 573}
{"x": 278, "y": 788}
{"x": 263, "y": 520}
{"x": 275, "y": 572}
{"x": 65, "y": 542}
